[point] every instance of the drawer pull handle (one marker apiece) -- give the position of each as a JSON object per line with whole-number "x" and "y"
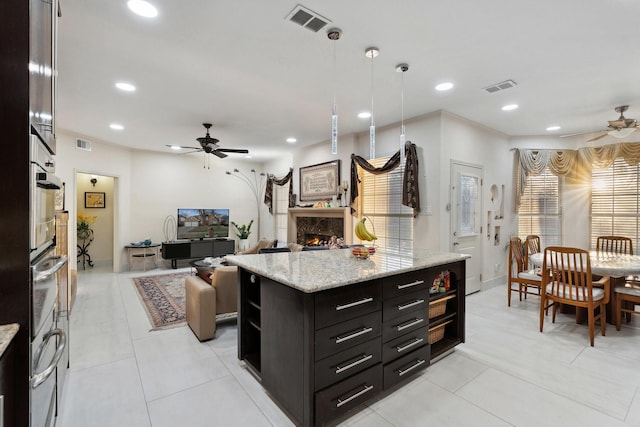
{"x": 362, "y": 331}
{"x": 353, "y": 304}
{"x": 364, "y": 358}
{"x": 411, "y": 304}
{"x": 419, "y": 362}
{"x": 409, "y": 324}
{"x": 402, "y": 348}
{"x": 365, "y": 389}
{"x": 408, "y": 285}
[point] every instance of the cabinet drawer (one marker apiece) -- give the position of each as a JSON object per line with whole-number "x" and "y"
{"x": 405, "y": 283}
{"x": 336, "y": 338}
{"x": 405, "y": 344}
{"x": 337, "y": 305}
{"x": 398, "y": 306}
{"x": 346, "y": 363}
{"x": 404, "y": 324}
{"x": 348, "y": 394}
{"x": 406, "y": 366}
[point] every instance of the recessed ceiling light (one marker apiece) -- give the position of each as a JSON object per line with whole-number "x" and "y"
{"x": 248, "y": 156}
{"x": 116, "y": 126}
{"x": 127, "y": 87}
{"x": 291, "y": 140}
{"x": 552, "y": 128}
{"x": 176, "y": 147}
{"x": 142, "y": 8}
{"x": 364, "y": 115}
{"x": 510, "y": 107}
{"x": 444, "y": 86}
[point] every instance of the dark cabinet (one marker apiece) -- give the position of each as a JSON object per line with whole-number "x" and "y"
{"x": 320, "y": 355}
{"x": 196, "y": 249}
{"x": 7, "y": 381}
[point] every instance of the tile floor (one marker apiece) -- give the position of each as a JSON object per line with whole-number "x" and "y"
{"x": 506, "y": 374}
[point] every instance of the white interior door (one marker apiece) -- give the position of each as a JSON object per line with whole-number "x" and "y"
{"x": 466, "y": 187}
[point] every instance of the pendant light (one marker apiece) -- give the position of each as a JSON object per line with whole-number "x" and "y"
{"x": 402, "y": 68}
{"x": 334, "y": 34}
{"x": 371, "y": 53}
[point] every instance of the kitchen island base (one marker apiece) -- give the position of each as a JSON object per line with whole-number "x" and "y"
{"x": 321, "y": 355}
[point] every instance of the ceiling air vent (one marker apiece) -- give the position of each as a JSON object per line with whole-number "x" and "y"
{"x": 507, "y": 84}
{"x": 307, "y": 18}
{"x": 83, "y": 144}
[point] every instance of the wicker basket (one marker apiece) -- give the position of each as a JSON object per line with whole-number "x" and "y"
{"x": 439, "y": 306}
{"x": 437, "y": 333}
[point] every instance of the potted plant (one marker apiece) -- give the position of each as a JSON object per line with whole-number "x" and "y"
{"x": 83, "y": 225}
{"x": 242, "y": 231}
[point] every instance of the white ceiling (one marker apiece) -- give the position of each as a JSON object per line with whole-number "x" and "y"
{"x": 260, "y": 78}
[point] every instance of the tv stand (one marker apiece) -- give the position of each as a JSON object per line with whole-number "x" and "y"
{"x": 199, "y": 248}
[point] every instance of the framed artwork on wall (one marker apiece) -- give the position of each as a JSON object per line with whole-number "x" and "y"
{"x": 321, "y": 181}
{"x": 94, "y": 200}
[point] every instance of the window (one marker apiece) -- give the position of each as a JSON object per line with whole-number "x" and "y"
{"x": 614, "y": 202}
{"x": 382, "y": 205}
{"x": 539, "y": 211}
{"x": 281, "y": 211}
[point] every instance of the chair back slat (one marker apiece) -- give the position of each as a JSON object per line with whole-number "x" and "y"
{"x": 569, "y": 273}
{"x": 516, "y": 256}
{"x": 615, "y": 244}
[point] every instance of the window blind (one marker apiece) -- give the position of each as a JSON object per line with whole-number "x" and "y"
{"x": 281, "y": 212}
{"x": 614, "y": 202}
{"x": 382, "y": 205}
{"x": 540, "y": 212}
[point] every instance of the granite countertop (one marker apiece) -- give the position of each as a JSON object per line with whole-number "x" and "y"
{"x": 7, "y": 332}
{"x": 313, "y": 271}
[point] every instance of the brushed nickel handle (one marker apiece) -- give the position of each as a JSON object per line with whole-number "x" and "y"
{"x": 408, "y": 285}
{"x": 409, "y": 324}
{"x": 366, "y": 389}
{"x": 419, "y": 362}
{"x": 362, "y": 331}
{"x": 403, "y": 347}
{"x": 353, "y": 304}
{"x": 362, "y": 359}
{"x": 411, "y": 304}
{"x": 42, "y": 376}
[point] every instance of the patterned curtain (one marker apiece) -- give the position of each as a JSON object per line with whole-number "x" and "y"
{"x": 268, "y": 193}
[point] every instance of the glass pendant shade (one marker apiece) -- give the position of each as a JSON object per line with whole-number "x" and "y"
{"x": 334, "y": 131}
{"x": 371, "y": 53}
{"x": 334, "y": 34}
{"x": 402, "y": 68}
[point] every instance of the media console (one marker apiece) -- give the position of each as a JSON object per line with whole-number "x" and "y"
{"x": 200, "y": 248}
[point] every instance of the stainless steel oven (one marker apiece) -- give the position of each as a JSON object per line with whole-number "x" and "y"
{"x": 43, "y": 185}
{"x": 47, "y": 342}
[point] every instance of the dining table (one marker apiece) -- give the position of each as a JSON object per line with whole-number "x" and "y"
{"x": 617, "y": 266}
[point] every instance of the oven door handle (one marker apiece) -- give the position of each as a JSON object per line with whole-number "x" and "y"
{"x": 43, "y": 375}
{"x": 45, "y": 274}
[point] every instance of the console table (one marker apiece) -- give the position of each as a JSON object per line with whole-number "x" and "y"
{"x": 200, "y": 248}
{"x": 84, "y": 241}
{"x": 326, "y": 332}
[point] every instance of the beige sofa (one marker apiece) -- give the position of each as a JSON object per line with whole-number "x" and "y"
{"x": 204, "y": 301}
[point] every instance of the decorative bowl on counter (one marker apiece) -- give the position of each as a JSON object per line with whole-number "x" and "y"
{"x": 363, "y": 252}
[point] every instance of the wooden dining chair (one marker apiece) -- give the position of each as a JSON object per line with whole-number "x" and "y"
{"x": 627, "y": 296}
{"x": 569, "y": 282}
{"x": 615, "y": 244}
{"x": 526, "y": 279}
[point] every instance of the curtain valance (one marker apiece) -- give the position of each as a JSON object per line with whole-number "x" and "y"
{"x": 268, "y": 193}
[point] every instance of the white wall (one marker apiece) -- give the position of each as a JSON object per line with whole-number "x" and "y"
{"x": 101, "y": 248}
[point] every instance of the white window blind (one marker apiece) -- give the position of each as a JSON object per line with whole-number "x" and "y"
{"x": 540, "y": 212}
{"x": 281, "y": 211}
{"x": 382, "y": 205}
{"x": 614, "y": 202}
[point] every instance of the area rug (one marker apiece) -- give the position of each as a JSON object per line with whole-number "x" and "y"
{"x": 163, "y": 299}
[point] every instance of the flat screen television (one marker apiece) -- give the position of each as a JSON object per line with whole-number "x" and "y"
{"x": 203, "y": 223}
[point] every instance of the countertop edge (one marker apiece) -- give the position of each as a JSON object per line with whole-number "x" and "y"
{"x": 7, "y": 332}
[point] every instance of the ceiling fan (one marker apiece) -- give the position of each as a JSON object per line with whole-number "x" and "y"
{"x": 620, "y": 128}
{"x": 210, "y": 145}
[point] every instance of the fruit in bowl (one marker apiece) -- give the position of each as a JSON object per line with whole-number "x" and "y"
{"x": 360, "y": 252}
{"x": 371, "y": 249}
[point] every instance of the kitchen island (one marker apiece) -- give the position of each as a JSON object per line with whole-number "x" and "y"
{"x": 326, "y": 332}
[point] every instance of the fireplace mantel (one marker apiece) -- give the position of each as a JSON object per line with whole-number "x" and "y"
{"x": 344, "y": 213}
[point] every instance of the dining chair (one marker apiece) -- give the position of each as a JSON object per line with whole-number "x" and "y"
{"x": 532, "y": 246}
{"x": 526, "y": 279}
{"x": 615, "y": 244}
{"x": 568, "y": 281}
{"x": 627, "y": 296}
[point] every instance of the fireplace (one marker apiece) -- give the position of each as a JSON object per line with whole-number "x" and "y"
{"x": 315, "y": 239}
{"x": 323, "y": 222}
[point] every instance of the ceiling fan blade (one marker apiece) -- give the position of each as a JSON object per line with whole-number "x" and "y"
{"x": 233, "y": 150}
{"x": 184, "y": 147}
{"x": 597, "y": 137}
{"x": 219, "y": 153}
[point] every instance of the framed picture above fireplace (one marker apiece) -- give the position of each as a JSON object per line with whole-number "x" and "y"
{"x": 321, "y": 181}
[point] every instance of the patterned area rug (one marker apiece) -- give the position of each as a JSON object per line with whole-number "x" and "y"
{"x": 163, "y": 299}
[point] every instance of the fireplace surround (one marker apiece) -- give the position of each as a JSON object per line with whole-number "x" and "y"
{"x": 322, "y": 221}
